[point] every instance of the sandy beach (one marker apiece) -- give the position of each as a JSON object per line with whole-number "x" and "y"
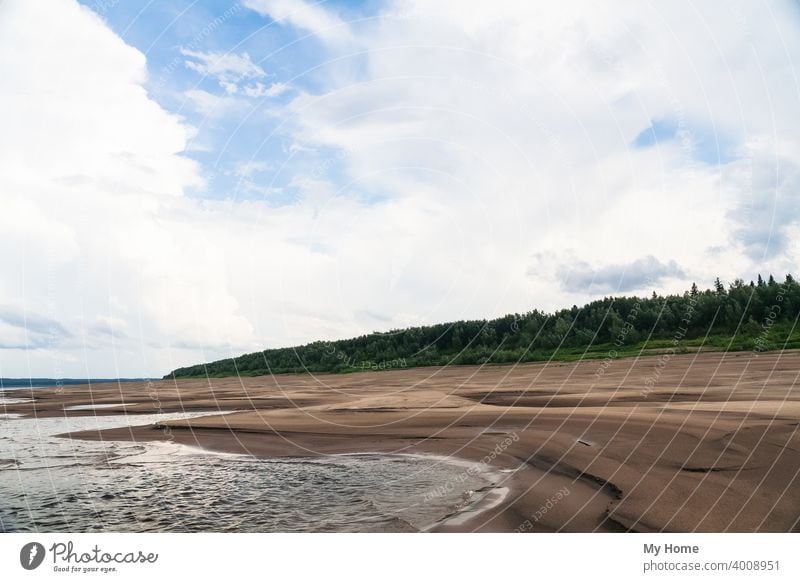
{"x": 696, "y": 442}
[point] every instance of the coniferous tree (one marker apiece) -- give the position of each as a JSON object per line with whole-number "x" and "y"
{"x": 715, "y": 317}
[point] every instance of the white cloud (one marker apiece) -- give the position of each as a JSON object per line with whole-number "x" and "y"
{"x": 247, "y": 169}
{"x": 458, "y": 165}
{"x": 21, "y": 329}
{"x": 260, "y": 90}
{"x": 211, "y": 105}
{"x": 520, "y": 121}
{"x": 228, "y": 68}
{"x": 645, "y": 272}
{"x": 308, "y": 16}
{"x": 235, "y": 74}
{"x": 96, "y": 228}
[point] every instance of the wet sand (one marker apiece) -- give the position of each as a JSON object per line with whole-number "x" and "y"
{"x": 700, "y": 442}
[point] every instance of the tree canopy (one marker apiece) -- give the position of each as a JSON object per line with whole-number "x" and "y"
{"x": 743, "y": 316}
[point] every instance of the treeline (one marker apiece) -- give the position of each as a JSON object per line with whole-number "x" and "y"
{"x": 759, "y": 315}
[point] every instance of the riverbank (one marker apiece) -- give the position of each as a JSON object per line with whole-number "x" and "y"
{"x": 699, "y": 442}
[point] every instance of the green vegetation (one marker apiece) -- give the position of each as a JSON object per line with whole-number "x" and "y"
{"x": 758, "y": 316}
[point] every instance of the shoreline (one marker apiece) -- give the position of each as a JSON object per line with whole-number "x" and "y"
{"x": 491, "y": 494}
{"x": 512, "y": 494}
{"x": 489, "y": 497}
{"x": 712, "y": 445}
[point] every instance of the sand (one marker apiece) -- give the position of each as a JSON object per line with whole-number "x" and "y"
{"x": 700, "y": 442}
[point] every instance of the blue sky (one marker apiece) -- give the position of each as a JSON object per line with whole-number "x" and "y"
{"x": 703, "y": 144}
{"x": 255, "y": 132}
{"x": 183, "y": 181}
{"x": 163, "y": 29}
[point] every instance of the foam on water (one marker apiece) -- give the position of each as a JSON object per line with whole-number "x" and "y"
{"x": 96, "y": 406}
{"x": 5, "y": 400}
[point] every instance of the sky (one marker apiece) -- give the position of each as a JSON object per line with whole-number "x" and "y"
{"x": 182, "y": 181}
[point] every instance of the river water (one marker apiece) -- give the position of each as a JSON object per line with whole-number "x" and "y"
{"x": 55, "y": 484}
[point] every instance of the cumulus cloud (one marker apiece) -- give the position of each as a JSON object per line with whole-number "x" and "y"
{"x": 96, "y": 222}
{"x": 436, "y": 154}
{"x": 621, "y": 131}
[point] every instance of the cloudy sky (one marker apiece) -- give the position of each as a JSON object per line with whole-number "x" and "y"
{"x": 185, "y": 180}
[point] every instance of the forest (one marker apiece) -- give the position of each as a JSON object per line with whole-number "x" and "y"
{"x": 760, "y": 315}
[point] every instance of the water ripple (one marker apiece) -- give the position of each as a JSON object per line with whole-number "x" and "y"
{"x": 52, "y": 484}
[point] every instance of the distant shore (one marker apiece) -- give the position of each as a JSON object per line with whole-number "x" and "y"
{"x": 44, "y": 382}
{"x": 705, "y": 442}
{"x": 756, "y": 318}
